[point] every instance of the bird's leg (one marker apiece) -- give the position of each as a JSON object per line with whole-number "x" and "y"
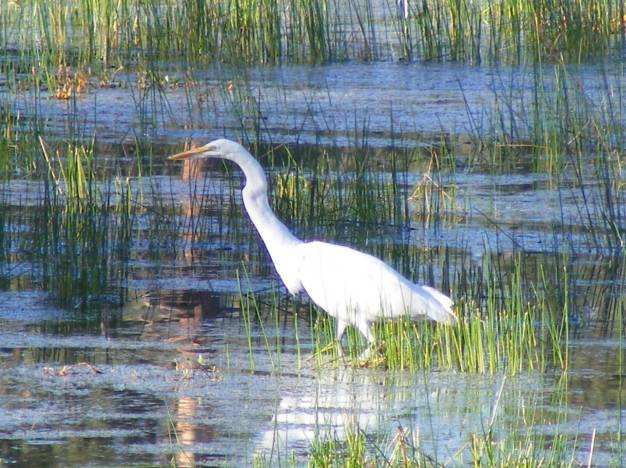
{"x": 341, "y": 328}
{"x": 364, "y": 328}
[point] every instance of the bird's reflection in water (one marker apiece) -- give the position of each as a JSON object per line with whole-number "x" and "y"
{"x": 180, "y": 318}
{"x": 341, "y": 402}
{"x": 435, "y": 413}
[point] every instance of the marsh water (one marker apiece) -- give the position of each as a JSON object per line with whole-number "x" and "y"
{"x": 165, "y": 361}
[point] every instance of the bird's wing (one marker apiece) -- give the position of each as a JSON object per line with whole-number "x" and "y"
{"x": 352, "y": 285}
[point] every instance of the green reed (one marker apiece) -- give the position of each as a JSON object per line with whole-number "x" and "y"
{"x": 510, "y": 30}
{"x": 98, "y": 35}
{"x": 500, "y": 328}
{"x": 553, "y": 123}
{"x": 357, "y": 450}
{"x": 505, "y": 436}
{"x": 331, "y": 188}
{"x": 572, "y": 133}
{"x": 104, "y": 33}
{"x": 79, "y": 233}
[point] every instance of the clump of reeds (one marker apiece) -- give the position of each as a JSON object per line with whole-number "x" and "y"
{"x": 330, "y": 189}
{"x": 483, "y": 449}
{"x": 500, "y": 328}
{"x": 564, "y": 129}
{"x": 516, "y": 445}
{"x": 104, "y": 34}
{"x": 79, "y": 232}
{"x": 506, "y": 436}
{"x": 510, "y": 31}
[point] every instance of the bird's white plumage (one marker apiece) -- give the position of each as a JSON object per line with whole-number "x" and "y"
{"x": 355, "y": 288}
{"x": 358, "y": 289}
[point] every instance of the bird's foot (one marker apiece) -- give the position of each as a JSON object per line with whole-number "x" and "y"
{"x": 372, "y": 356}
{"x": 366, "y": 354}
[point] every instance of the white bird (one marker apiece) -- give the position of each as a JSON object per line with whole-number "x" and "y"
{"x": 353, "y": 287}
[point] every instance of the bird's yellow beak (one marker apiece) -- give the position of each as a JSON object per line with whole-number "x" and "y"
{"x": 188, "y": 154}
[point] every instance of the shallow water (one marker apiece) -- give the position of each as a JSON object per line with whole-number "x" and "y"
{"x": 345, "y": 104}
{"x": 163, "y": 364}
{"x": 145, "y": 398}
{"x": 142, "y": 399}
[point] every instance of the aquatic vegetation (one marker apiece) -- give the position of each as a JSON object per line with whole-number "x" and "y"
{"x": 510, "y": 30}
{"x": 356, "y": 450}
{"x": 99, "y": 35}
{"x": 500, "y": 329}
{"x": 518, "y": 215}
{"x": 507, "y": 435}
{"x": 103, "y": 33}
{"x": 78, "y": 235}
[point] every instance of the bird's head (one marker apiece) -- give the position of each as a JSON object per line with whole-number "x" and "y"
{"x": 220, "y": 148}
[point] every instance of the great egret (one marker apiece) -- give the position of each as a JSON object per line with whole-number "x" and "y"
{"x": 353, "y": 287}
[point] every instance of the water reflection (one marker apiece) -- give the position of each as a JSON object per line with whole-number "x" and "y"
{"x": 339, "y": 403}
{"x": 321, "y": 105}
{"x": 155, "y": 401}
{"x": 187, "y": 432}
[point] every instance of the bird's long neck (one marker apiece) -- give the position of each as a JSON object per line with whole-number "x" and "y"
{"x": 274, "y": 233}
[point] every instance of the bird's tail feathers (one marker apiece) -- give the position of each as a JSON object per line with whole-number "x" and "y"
{"x": 444, "y": 300}
{"x": 439, "y": 306}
